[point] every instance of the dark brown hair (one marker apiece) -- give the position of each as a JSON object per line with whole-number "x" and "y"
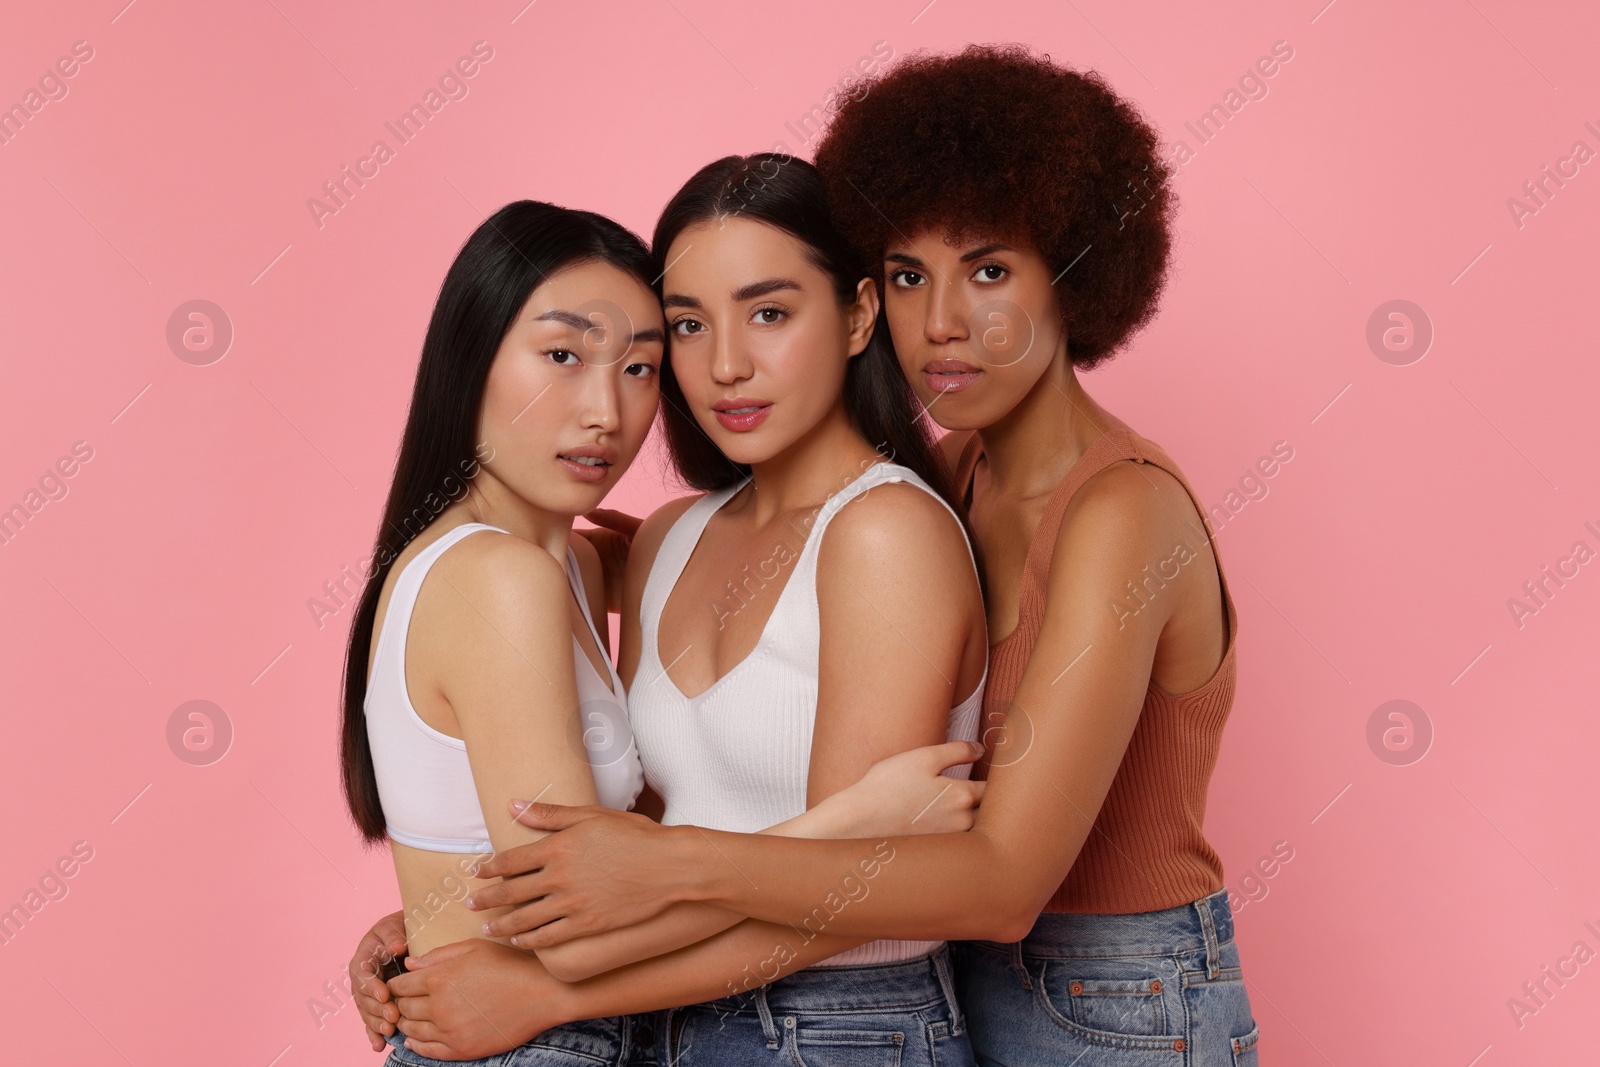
{"x": 787, "y": 193}
{"x": 997, "y": 142}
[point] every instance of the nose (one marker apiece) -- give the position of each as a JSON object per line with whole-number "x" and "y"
{"x": 729, "y": 361}
{"x": 602, "y": 406}
{"x": 945, "y": 319}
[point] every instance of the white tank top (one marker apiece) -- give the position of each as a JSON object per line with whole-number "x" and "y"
{"x": 737, "y": 756}
{"x": 424, "y": 779}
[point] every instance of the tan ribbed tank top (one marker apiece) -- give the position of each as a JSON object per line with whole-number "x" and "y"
{"x": 1147, "y": 850}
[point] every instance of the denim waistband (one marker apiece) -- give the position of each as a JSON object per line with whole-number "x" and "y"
{"x": 903, "y": 984}
{"x": 1197, "y": 926}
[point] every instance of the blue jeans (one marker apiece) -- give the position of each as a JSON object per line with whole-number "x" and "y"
{"x": 617, "y": 1041}
{"x": 891, "y": 1014}
{"x": 1142, "y": 990}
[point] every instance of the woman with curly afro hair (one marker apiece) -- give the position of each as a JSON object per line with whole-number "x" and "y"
{"x": 1017, "y": 217}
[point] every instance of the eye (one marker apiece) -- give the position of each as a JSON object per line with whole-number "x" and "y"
{"x": 990, "y": 272}
{"x": 648, "y": 369}
{"x": 906, "y": 278}
{"x": 690, "y": 327}
{"x": 769, "y": 315}
{"x": 555, "y": 355}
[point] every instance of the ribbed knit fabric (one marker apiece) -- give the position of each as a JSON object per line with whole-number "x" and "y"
{"x": 737, "y": 756}
{"x": 1147, "y": 850}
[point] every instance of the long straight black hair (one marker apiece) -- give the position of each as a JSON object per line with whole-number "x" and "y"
{"x": 788, "y": 193}
{"x": 498, "y": 267}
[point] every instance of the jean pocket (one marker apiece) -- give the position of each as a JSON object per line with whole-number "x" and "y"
{"x": 1244, "y": 1047}
{"x": 1125, "y": 998}
{"x": 814, "y": 1043}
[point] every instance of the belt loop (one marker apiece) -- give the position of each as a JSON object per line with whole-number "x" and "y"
{"x": 1014, "y": 950}
{"x": 942, "y": 965}
{"x": 1208, "y": 927}
{"x": 767, "y": 1026}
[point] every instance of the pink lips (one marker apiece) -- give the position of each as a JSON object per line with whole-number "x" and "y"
{"x": 741, "y": 414}
{"x": 591, "y": 471}
{"x": 949, "y": 375}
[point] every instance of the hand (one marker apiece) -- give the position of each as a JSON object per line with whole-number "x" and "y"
{"x": 475, "y": 998}
{"x": 907, "y": 793}
{"x": 385, "y": 941}
{"x": 603, "y": 870}
{"x": 612, "y": 538}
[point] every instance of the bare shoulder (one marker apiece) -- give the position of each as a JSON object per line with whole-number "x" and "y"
{"x": 1125, "y": 517}
{"x": 505, "y": 579}
{"x": 895, "y": 528}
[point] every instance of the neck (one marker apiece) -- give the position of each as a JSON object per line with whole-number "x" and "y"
{"x": 1031, "y": 449}
{"x": 830, "y": 456}
{"x": 489, "y": 501}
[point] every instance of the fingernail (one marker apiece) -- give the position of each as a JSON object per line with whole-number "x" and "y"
{"x": 470, "y": 902}
{"x": 519, "y": 806}
{"x": 485, "y": 929}
{"x": 473, "y": 870}
{"x": 514, "y": 941}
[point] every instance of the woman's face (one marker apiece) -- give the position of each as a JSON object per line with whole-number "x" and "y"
{"x": 975, "y": 325}
{"x": 573, "y": 389}
{"x": 760, "y": 342}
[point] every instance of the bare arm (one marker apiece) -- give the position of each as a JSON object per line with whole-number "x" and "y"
{"x": 885, "y": 688}
{"x": 1062, "y": 743}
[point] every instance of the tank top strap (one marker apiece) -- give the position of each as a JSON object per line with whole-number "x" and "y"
{"x": 673, "y": 555}
{"x": 1117, "y": 443}
{"x": 580, "y": 592}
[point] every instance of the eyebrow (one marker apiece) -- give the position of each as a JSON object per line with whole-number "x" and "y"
{"x": 976, "y": 253}
{"x": 739, "y": 295}
{"x": 578, "y": 322}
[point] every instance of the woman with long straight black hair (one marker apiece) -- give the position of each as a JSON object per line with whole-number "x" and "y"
{"x": 474, "y": 665}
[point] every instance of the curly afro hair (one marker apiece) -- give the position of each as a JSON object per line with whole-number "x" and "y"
{"x": 997, "y": 142}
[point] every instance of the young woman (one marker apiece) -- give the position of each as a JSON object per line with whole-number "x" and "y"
{"x": 474, "y": 651}
{"x": 1020, "y": 217}
{"x": 810, "y": 657}
{"x": 537, "y": 385}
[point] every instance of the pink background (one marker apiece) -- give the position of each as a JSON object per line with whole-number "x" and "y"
{"x": 222, "y": 899}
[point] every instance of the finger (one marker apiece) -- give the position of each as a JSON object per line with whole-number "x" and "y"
{"x": 523, "y": 859}
{"x": 620, "y": 521}
{"x": 547, "y": 816}
{"x": 414, "y": 1010}
{"x": 412, "y": 984}
{"x": 952, "y": 754}
{"x": 977, "y": 792}
{"x": 375, "y": 1041}
{"x": 520, "y": 923}
{"x": 512, "y": 890}
{"x": 375, "y": 1010}
{"x": 547, "y": 935}
{"x": 442, "y": 954}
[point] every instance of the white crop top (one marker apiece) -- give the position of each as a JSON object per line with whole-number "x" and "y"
{"x": 424, "y": 780}
{"x": 737, "y": 756}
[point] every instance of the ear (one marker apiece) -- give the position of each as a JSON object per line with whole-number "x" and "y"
{"x": 862, "y": 315}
